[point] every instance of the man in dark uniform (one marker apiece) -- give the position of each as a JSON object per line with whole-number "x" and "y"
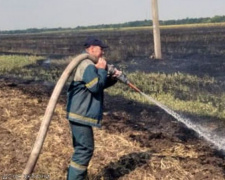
{"x": 85, "y": 105}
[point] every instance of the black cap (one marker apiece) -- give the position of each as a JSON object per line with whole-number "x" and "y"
{"x": 91, "y": 40}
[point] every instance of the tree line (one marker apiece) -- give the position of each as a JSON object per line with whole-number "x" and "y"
{"x": 215, "y": 19}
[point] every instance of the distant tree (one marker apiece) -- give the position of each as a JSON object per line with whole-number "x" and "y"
{"x": 218, "y": 19}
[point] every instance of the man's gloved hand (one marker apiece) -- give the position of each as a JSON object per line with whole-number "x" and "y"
{"x": 112, "y": 71}
{"x": 117, "y": 73}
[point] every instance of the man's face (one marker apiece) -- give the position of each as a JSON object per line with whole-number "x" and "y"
{"x": 96, "y": 51}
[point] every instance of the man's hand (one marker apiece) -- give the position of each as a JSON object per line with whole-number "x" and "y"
{"x": 101, "y": 64}
{"x": 116, "y": 73}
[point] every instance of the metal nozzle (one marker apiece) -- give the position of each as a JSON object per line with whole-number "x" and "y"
{"x": 122, "y": 77}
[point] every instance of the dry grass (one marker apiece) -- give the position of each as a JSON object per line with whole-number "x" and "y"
{"x": 116, "y": 156}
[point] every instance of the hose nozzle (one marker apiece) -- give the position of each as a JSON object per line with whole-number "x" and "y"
{"x": 122, "y": 77}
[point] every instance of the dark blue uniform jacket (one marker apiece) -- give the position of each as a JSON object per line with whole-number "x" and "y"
{"x": 85, "y": 94}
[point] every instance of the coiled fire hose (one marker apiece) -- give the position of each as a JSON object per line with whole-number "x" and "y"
{"x": 49, "y": 113}
{"x": 51, "y": 107}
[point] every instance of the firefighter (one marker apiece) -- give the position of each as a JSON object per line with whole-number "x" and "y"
{"x": 85, "y": 105}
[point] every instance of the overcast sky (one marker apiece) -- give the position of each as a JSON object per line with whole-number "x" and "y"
{"x": 23, "y": 14}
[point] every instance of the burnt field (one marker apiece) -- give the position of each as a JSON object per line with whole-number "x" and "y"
{"x": 204, "y": 41}
{"x": 138, "y": 141}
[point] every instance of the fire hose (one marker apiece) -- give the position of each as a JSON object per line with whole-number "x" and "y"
{"x": 51, "y": 107}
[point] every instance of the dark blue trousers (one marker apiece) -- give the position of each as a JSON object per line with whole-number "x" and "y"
{"x": 83, "y": 143}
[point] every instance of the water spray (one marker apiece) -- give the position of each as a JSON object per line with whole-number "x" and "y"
{"x": 218, "y": 141}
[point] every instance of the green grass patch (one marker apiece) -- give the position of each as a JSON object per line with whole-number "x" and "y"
{"x": 13, "y": 62}
{"x": 28, "y": 67}
{"x": 202, "y": 96}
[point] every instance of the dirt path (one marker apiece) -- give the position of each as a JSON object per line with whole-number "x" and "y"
{"x": 136, "y": 141}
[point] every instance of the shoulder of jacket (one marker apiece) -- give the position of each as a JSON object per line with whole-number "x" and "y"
{"x": 81, "y": 68}
{"x": 85, "y": 63}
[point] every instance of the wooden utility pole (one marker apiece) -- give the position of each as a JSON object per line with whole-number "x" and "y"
{"x": 156, "y": 31}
